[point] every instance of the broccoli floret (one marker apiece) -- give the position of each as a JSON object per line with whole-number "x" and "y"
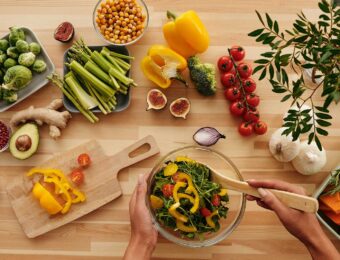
{"x": 203, "y": 75}
{"x": 10, "y": 96}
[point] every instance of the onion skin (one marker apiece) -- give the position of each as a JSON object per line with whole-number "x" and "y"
{"x": 207, "y": 136}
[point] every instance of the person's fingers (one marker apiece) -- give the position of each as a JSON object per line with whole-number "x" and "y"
{"x": 140, "y": 193}
{"x": 262, "y": 204}
{"x": 272, "y": 202}
{"x": 250, "y": 197}
{"x": 279, "y": 185}
{"x": 133, "y": 201}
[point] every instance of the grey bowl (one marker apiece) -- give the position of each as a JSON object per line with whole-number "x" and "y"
{"x": 123, "y": 101}
{"x": 39, "y": 79}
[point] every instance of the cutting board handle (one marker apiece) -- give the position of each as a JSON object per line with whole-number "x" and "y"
{"x": 126, "y": 157}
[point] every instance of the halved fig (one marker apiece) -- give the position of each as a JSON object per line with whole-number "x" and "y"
{"x": 180, "y": 107}
{"x": 156, "y": 99}
{"x": 64, "y": 32}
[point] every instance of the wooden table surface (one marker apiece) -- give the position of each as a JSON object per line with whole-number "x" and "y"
{"x": 105, "y": 232}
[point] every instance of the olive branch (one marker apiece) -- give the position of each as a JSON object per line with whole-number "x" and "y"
{"x": 307, "y": 46}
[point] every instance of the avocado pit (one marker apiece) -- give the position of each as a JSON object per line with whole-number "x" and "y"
{"x": 23, "y": 143}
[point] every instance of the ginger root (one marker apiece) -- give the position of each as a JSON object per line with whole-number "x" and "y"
{"x": 48, "y": 115}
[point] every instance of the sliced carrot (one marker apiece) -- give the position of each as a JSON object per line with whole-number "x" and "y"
{"x": 332, "y": 201}
{"x": 334, "y": 217}
{"x": 324, "y": 207}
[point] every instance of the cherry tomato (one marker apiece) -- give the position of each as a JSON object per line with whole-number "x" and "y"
{"x": 236, "y": 108}
{"x": 244, "y": 69}
{"x": 225, "y": 64}
{"x": 205, "y": 212}
{"x": 246, "y": 129}
{"x": 228, "y": 80}
{"x": 260, "y": 128}
{"x": 167, "y": 190}
{"x": 216, "y": 200}
{"x": 77, "y": 176}
{"x": 84, "y": 160}
{"x": 253, "y": 99}
{"x": 233, "y": 71}
{"x": 251, "y": 115}
{"x": 249, "y": 85}
{"x": 237, "y": 52}
{"x": 232, "y": 94}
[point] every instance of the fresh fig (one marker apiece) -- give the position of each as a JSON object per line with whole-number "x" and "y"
{"x": 64, "y": 32}
{"x": 180, "y": 107}
{"x": 156, "y": 99}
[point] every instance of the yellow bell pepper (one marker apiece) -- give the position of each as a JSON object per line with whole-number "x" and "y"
{"x": 184, "y": 159}
{"x": 173, "y": 212}
{"x": 64, "y": 192}
{"x": 186, "y": 34}
{"x": 223, "y": 192}
{"x": 170, "y": 169}
{"x": 162, "y": 64}
{"x": 156, "y": 202}
{"x": 180, "y": 225}
{"x": 209, "y": 220}
{"x": 46, "y": 200}
{"x": 183, "y": 176}
{"x": 186, "y": 196}
{"x": 178, "y": 185}
{"x": 191, "y": 189}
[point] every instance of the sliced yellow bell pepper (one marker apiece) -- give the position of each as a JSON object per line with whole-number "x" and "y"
{"x": 186, "y": 196}
{"x": 162, "y": 64}
{"x": 183, "y": 176}
{"x": 170, "y": 169}
{"x": 178, "y": 185}
{"x": 223, "y": 192}
{"x": 209, "y": 220}
{"x": 64, "y": 192}
{"x": 191, "y": 189}
{"x": 180, "y": 225}
{"x": 46, "y": 200}
{"x": 173, "y": 212}
{"x": 184, "y": 159}
{"x": 186, "y": 34}
{"x": 156, "y": 202}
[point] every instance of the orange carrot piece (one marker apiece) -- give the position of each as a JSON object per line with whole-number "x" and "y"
{"x": 334, "y": 217}
{"x": 332, "y": 201}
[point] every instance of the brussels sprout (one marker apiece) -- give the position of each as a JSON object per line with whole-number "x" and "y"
{"x": 9, "y": 63}
{"x": 3, "y": 44}
{"x": 3, "y": 57}
{"x": 12, "y": 52}
{"x": 17, "y": 77}
{"x": 16, "y": 34}
{"x": 35, "y": 48}
{"x": 22, "y": 46}
{"x": 26, "y": 59}
{"x": 39, "y": 66}
{"x": 10, "y": 96}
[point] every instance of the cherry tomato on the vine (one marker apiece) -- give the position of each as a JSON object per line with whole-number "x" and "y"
{"x": 251, "y": 115}
{"x": 232, "y": 94}
{"x": 228, "y": 80}
{"x": 260, "y": 127}
{"x": 249, "y": 85}
{"x": 236, "y": 108}
{"x": 237, "y": 52}
{"x": 244, "y": 69}
{"x": 246, "y": 128}
{"x": 253, "y": 99}
{"x": 225, "y": 64}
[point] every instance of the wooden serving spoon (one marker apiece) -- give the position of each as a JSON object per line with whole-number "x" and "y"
{"x": 292, "y": 200}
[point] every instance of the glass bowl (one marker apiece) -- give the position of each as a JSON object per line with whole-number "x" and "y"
{"x": 236, "y": 204}
{"x": 144, "y": 11}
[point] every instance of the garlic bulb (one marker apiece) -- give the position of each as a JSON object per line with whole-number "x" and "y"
{"x": 310, "y": 159}
{"x": 282, "y": 147}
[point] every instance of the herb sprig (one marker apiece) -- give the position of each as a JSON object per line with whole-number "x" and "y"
{"x": 334, "y": 183}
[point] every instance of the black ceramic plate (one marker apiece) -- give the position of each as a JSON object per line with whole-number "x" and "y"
{"x": 123, "y": 101}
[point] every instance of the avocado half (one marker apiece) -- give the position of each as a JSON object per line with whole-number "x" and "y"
{"x": 25, "y": 141}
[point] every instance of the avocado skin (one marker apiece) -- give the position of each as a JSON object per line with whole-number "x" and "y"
{"x": 27, "y": 129}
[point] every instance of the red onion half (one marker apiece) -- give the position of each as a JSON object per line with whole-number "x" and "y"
{"x": 207, "y": 136}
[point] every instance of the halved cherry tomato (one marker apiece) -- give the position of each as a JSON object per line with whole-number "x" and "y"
{"x": 228, "y": 80}
{"x": 77, "y": 176}
{"x": 205, "y": 212}
{"x": 232, "y": 94}
{"x": 244, "y": 69}
{"x": 260, "y": 128}
{"x": 251, "y": 115}
{"x": 236, "y": 108}
{"x": 84, "y": 160}
{"x": 253, "y": 99}
{"x": 249, "y": 85}
{"x": 167, "y": 190}
{"x": 225, "y": 64}
{"x": 216, "y": 200}
{"x": 246, "y": 129}
{"x": 237, "y": 52}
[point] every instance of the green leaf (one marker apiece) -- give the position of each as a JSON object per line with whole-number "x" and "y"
{"x": 276, "y": 27}
{"x": 269, "y": 21}
{"x": 256, "y": 32}
{"x": 263, "y": 74}
{"x": 285, "y": 79}
{"x": 323, "y": 122}
{"x": 257, "y": 68}
{"x": 271, "y": 71}
{"x": 324, "y": 24}
{"x": 308, "y": 65}
{"x": 323, "y": 116}
{"x": 321, "y": 131}
{"x": 328, "y": 101}
{"x": 324, "y": 7}
{"x": 279, "y": 90}
{"x": 327, "y": 91}
{"x": 324, "y": 17}
{"x": 259, "y": 16}
{"x": 268, "y": 54}
{"x": 324, "y": 57}
{"x": 310, "y": 138}
{"x": 299, "y": 28}
{"x": 285, "y": 98}
{"x": 262, "y": 37}
{"x": 322, "y": 109}
{"x": 306, "y": 129}
{"x": 262, "y": 61}
{"x": 301, "y": 38}
{"x": 269, "y": 39}
{"x": 296, "y": 133}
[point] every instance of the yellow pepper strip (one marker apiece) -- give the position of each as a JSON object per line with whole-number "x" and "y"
{"x": 180, "y": 225}
{"x": 163, "y": 64}
{"x": 186, "y": 34}
{"x": 184, "y": 159}
{"x": 170, "y": 169}
{"x": 156, "y": 202}
{"x": 191, "y": 189}
{"x": 223, "y": 192}
{"x": 48, "y": 172}
{"x": 80, "y": 196}
{"x": 186, "y": 196}
{"x": 178, "y": 185}
{"x": 173, "y": 212}
{"x": 183, "y": 176}
{"x": 64, "y": 192}
{"x": 46, "y": 200}
{"x": 209, "y": 220}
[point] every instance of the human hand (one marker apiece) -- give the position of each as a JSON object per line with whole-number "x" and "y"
{"x": 302, "y": 225}
{"x": 143, "y": 234}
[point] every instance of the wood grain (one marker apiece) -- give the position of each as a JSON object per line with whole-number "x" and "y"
{"x": 104, "y": 234}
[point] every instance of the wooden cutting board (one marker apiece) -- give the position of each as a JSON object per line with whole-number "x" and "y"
{"x": 101, "y": 184}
